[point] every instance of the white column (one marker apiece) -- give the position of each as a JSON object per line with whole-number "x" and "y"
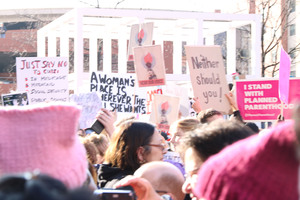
{"x": 256, "y": 48}
{"x": 51, "y": 45}
{"x": 209, "y": 40}
{"x": 78, "y": 51}
{"x": 107, "y": 53}
{"x": 189, "y": 42}
{"x": 122, "y": 50}
{"x": 93, "y": 53}
{"x": 41, "y": 44}
{"x": 64, "y": 44}
{"x": 177, "y": 52}
{"x": 199, "y": 32}
{"x": 231, "y": 50}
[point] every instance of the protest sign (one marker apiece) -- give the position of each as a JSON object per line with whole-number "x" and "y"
{"x": 150, "y": 98}
{"x": 45, "y": 79}
{"x": 166, "y": 109}
{"x": 149, "y": 66}
{"x": 208, "y": 77}
{"x": 15, "y": 99}
{"x": 259, "y": 100}
{"x": 284, "y": 76}
{"x": 91, "y": 104}
{"x": 140, "y": 35}
{"x": 118, "y": 92}
{"x": 182, "y": 93}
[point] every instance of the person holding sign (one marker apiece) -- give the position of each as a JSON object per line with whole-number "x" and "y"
{"x": 210, "y": 114}
{"x": 107, "y": 118}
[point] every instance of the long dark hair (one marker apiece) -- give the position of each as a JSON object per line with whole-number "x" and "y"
{"x": 127, "y": 138}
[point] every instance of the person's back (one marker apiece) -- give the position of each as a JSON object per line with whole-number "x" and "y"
{"x": 164, "y": 177}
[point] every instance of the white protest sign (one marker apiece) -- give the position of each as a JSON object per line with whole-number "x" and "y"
{"x": 208, "y": 77}
{"x": 182, "y": 93}
{"x": 45, "y": 79}
{"x": 91, "y": 104}
{"x": 118, "y": 92}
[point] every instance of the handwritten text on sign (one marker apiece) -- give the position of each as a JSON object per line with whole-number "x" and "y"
{"x": 91, "y": 105}
{"x": 118, "y": 92}
{"x": 208, "y": 76}
{"x": 45, "y": 79}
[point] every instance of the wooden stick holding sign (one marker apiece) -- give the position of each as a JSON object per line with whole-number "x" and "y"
{"x": 208, "y": 77}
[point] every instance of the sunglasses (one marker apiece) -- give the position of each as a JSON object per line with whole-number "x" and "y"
{"x": 163, "y": 147}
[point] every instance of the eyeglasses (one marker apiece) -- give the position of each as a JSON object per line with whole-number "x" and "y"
{"x": 163, "y": 147}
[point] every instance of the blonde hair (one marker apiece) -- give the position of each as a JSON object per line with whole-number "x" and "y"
{"x": 186, "y": 124}
{"x": 101, "y": 141}
{"x": 92, "y": 152}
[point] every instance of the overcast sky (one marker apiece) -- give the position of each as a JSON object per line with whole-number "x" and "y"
{"x": 191, "y": 5}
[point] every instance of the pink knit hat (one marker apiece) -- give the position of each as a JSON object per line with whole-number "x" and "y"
{"x": 43, "y": 137}
{"x": 259, "y": 167}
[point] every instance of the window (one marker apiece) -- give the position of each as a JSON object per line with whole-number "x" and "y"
{"x": 292, "y": 6}
{"x": 293, "y": 74}
{"x": 292, "y": 29}
{"x": 292, "y": 54}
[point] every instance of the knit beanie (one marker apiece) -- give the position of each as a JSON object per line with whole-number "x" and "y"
{"x": 260, "y": 167}
{"x": 43, "y": 137}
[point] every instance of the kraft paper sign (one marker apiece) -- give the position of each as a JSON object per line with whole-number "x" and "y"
{"x": 208, "y": 77}
{"x": 149, "y": 66}
{"x": 140, "y": 35}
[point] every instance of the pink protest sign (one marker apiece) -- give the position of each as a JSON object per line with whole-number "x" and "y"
{"x": 259, "y": 100}
{"x": 284, "y": 76}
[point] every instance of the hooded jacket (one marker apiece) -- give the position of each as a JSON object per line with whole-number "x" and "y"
{"x": 108, "y": 175}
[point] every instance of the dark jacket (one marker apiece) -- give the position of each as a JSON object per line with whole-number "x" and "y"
{"x": 108, "y": 175}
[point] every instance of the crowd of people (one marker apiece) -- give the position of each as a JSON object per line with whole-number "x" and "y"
{"x": 43, "y": 155}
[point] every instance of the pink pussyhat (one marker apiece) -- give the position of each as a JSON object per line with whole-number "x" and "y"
{"x": 43, "y": 137}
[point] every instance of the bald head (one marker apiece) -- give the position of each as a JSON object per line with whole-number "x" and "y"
{"x": 163, "y": 176}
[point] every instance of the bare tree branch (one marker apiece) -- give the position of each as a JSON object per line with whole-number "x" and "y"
{"x": 278, "y": 24}
{"x": 118, "y": 3}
